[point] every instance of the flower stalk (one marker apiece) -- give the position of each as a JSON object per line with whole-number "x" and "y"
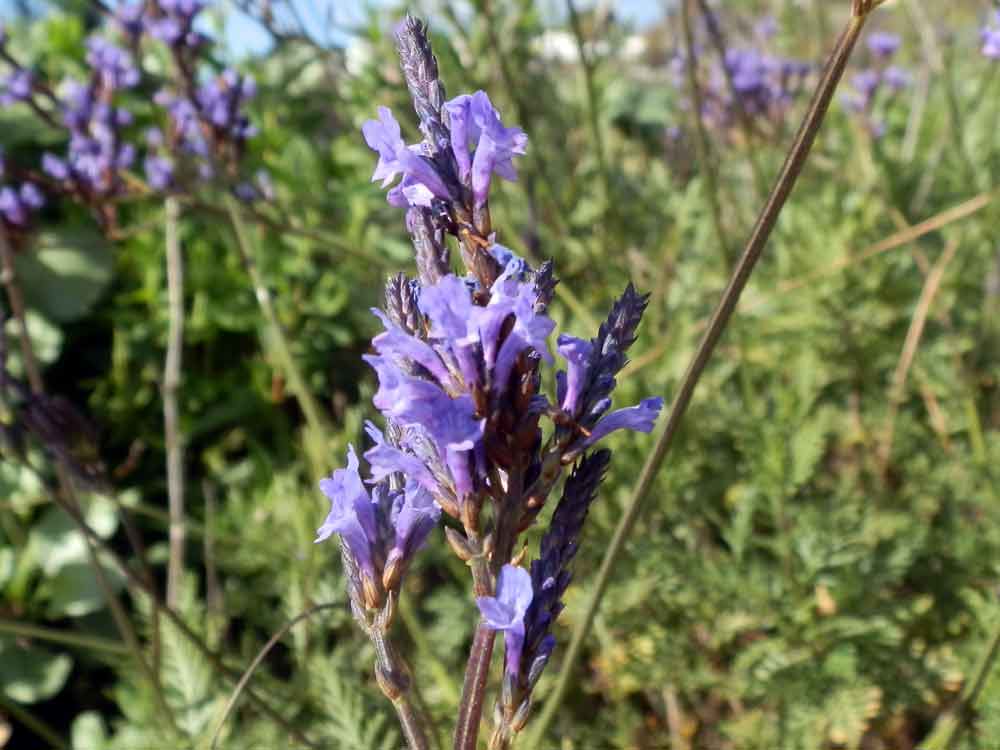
{"x": 171, "y": 385}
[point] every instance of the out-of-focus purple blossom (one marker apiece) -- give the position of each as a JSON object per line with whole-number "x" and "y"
{"x": 990, "y": 35}
{"x": 749, "y": 85}
{"x": 129, "y": 17}
{"x": 882, "y": 44}
{"x": 868, "y": 82}
{"x": 766, "y": 27}
{"x": 16, "y": 87}
{"x": 113, "y": 64}
{"x": 505, "y": 612}
{"x": 17, "y": 204}
{"x": 896, "y": 78}
{"x": 55, "y": 167}
{"x": 31, "y": 196}
{"x": 159, "y": 172}
{"x": 173, "y": 23}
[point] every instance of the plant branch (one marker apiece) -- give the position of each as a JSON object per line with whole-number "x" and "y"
{"x": 279, "y": 341}
{"x": 701, "y": 135}
{"x": 792, "y": 167}
{"x": 248, "y": 673}
{"x": 171, "y": 384}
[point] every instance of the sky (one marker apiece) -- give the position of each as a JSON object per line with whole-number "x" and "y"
{"x": 245, "y": 37}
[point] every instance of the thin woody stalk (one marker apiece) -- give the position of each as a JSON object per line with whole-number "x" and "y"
{"x": 704, "y": 149}
{"x": 310, "y": 408}
{"x": 790, "y": 171}
{"x": 171, "y": 384}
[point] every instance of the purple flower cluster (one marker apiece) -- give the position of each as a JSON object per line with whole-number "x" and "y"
{"x": 990, "y": 35}
{"x": 880, "y": 76}
{"x": 380, "y": 530}
{"x": 17, "y": 201}
{"x": 208, "y": 128}
{"x": 97, "y": 151}
{"x": 170, "y": 21}
{"x": 16, "y": 87}
{"x": 460, "y": 364}
{"x": 480, "y": 146}
{"x": 747, "y": 86}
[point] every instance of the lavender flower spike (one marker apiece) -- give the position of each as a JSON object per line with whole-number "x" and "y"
{"x": 505, "y": 611}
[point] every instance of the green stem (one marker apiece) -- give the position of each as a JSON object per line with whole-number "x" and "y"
{"x": 396, "y": 680}
{"x": 36, "y": 725}
{"x": 52, "y": 635}
{"x": 171, "y": 383}
{"x": 704, "y": 150}
{"x": 310, "y": 407}
{"x": 593, "y": 106}
{"x": 787, "y": 178}
{"x": 949, "y": 727}
{"x": 248, "y": 673}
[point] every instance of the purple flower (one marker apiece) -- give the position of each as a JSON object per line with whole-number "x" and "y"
{"x": 352, "y": 514}
{"x": 990, "y": 34}
{"x": 474, "y": 120}
{"x": 113, "y": 64}
{"x": 414, "y": 515}
{"x": 577, "y": 354}
{"x": 16, "y": 87}
{"x": 54, "y": 167}
{"x": 896, "y": 78}
{"x": 505, "y": 612}
{"x": 640, "y": 418}
{"x": 421, "y": 182}
{"x": 31, "y": 196}
{"x": 385, "y": 459}
{"x": 866, "y": 82}
{"x": 882, "y": 44}
{"x": 16, "y": 205}
{"x": 159, "y": 172}
{"x": 130, "y": 18}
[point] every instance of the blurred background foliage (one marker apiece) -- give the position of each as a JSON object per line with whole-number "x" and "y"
{"x": 818, "y": 567}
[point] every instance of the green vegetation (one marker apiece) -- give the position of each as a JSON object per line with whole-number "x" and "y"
{"x": 819, "y": 562}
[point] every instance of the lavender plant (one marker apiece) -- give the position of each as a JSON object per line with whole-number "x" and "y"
{"x": 744, "y": 86}
{"x": 469, "y": 430}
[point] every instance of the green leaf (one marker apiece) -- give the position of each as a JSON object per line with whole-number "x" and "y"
{"x": 88, "y": 732}
{"x": 29, "y": 675}
{"x": 58, "y": 543}
{"x": 65, "y": 273}
{"x": 75, "y": 591}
